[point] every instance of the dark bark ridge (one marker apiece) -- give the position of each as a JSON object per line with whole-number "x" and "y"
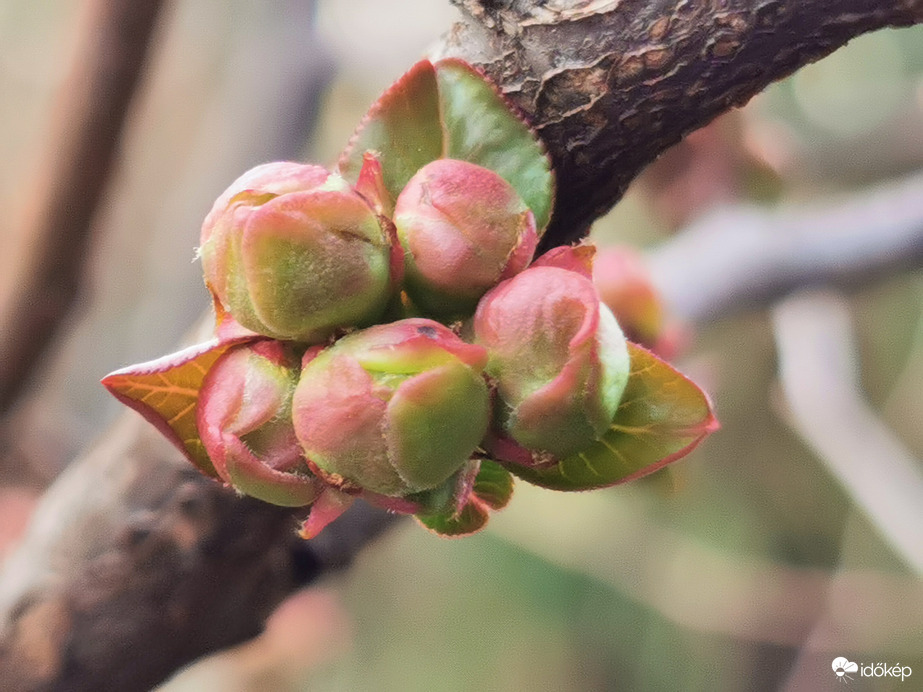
{"x": 610, "y": 84}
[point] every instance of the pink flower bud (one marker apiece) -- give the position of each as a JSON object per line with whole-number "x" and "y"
{"x": 394, "y": 409}
{"x": 557, "y": 354}
{"x": 463, "y": 229}
{"x": 292, "y": 252}
{"x": 244, "y": 419}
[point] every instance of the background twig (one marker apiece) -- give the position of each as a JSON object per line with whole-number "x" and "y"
{"x": 742, "y": 258}
{"x": 80, "y": 152}
{"x": 819, "y": 378}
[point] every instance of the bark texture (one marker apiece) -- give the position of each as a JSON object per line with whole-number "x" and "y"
{"x": 610, "y": 84}
{"x": 135, "y": 565}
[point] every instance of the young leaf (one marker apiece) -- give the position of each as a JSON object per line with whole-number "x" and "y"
{"x": 482, "y": 128}
{"x": 662, "y": 417}
{"x": 449, "y": 110}
{"x": 165, "y": 391}
{"x": 492, "y": 489}
{"x": 403, "y": 127}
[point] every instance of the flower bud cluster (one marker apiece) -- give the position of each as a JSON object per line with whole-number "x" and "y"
{"x": 352, "y": 384}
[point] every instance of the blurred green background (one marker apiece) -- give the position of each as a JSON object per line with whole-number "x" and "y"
{"x": 747, "y": 567}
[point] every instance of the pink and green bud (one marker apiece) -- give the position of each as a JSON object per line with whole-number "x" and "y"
{"x": 293, "y": 252}
{"x": 463, "y": 229}
{"x": 395, "y": 409}
{"x": 557, "y": 355}
{"x": 244, "y": 420}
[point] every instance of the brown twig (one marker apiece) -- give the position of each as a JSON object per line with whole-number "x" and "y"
{"x": 81, "y": 148}
{"x": 610, "y": 85}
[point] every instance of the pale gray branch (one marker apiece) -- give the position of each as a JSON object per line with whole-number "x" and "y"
{"x": 819, "y": 373}
{"x": 746, "y": 257}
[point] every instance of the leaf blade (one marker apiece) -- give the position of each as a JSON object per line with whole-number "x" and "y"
{"x": 492, "y": 489}
{"x": 662, "y": 417}
{"x": 403, "y": 126}
{"x": 483, "y": 128}
{"x": 448, "y": 109}
{"x": 166, "y": 390}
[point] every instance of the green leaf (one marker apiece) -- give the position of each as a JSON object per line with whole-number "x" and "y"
{"x": 492, "y": 489}
{"x": 493, "y": 485}
{"x": 449, "y": 110}
{"x": 165, "y": 391}
{"x": 482, "y": 128}
{"x": 403, "y": 126}
{"x": 662, "y": 417}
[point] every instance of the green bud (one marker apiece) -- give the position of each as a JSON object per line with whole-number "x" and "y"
{"x": 293, "y": 252}
{"x": 394, "y": 409}
{"x": 463, "y": 229}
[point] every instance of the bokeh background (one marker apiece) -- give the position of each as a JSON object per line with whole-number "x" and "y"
{"x": 748, "y": 566}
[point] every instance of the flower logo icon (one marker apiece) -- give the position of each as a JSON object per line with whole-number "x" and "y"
{"x": 841, "y": 666}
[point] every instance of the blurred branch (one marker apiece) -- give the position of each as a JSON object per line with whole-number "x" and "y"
{"x": 128, "y": 554}
{"x": 134, "y": 564}
{"x": 81, "y": 149}
{"x": 610, "y": 85}
{"x": 744, "y": 258}
{"x": 166, "y": 566}
{"x": 819, "y": 377}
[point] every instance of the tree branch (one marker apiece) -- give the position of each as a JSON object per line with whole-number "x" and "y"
{"x": 745, "y": 258}
{"x": 81, "y": 150}
{"x": 819, "y": 377}
{"x": 608, "y": 87}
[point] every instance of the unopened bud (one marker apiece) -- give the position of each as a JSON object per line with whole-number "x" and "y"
{"x": 245, "y": 422}
{"x": 394, "y": 409}
{"x": 556, "y": 352}
{"x": 463, "y": 229}
{"x": 292, "y": 252}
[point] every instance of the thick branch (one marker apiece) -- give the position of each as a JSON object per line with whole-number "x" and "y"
{"x": 610, "y": 85}
{"x": 133, "y": 568}
{"x": 80, "y": 152}
{"x": 609, "y": 88}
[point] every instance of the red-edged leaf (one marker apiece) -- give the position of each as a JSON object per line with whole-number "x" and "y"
{"x": 450, "y": 110}
{"x": 165, "y": 391}
{"x": 403, "y": 128}
{"x": 662, "y": 417}
{"x": 493, "y": 487}
{"x": 482, "y": 127}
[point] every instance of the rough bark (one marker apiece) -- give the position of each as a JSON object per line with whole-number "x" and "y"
{"x": 610, "y": 84}
{"x": 167, "y": 563}
{"x": 135, "y": 566}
